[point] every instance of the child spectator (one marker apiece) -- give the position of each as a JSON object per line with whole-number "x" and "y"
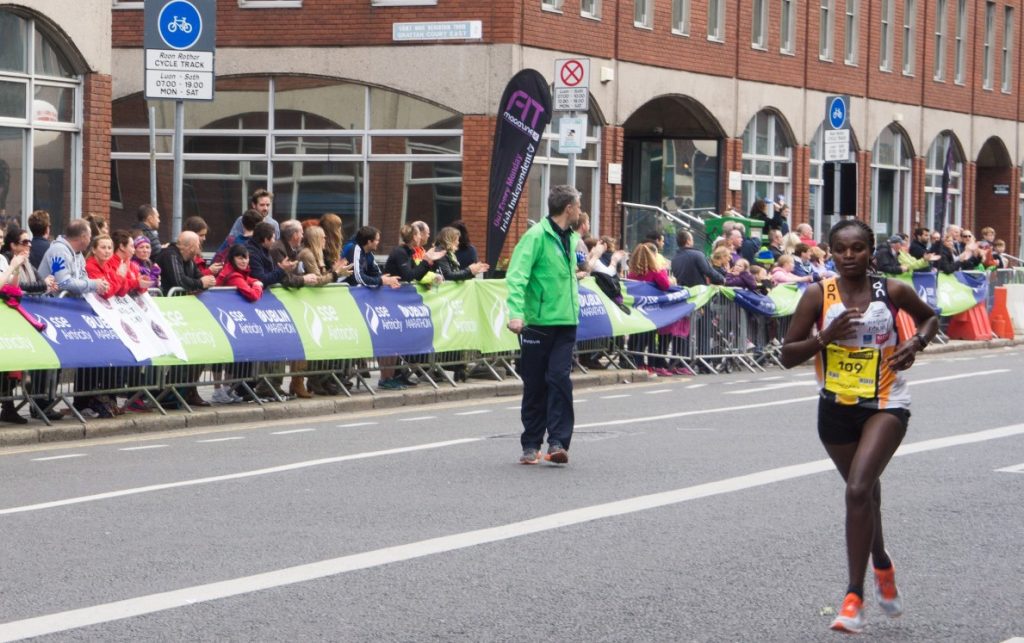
{"x": 783, "y": 272}
{"x": 235, "y": 274}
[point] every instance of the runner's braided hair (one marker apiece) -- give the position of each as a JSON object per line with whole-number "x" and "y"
{"x": 869, "y": 234}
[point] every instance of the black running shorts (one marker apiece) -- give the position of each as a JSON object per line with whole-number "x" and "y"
{"x": 842, "y": 423}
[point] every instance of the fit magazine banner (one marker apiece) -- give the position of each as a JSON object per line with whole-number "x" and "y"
{"x": 525, "y": 112}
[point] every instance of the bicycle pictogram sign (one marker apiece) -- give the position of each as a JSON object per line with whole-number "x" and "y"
{"x": 180, "y": 24}
{"x": 572, "y": 73}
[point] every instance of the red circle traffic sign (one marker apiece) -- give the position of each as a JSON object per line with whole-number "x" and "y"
{"x": 571, "y": 73}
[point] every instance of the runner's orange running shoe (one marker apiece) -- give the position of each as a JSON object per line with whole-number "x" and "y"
{"x": 851, "y": 615}
{"x": 886, "y": 593}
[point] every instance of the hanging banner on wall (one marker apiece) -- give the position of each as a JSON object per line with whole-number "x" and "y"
{"x": 525, "y": 110}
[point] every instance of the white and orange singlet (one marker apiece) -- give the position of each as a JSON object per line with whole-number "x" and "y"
{"x": 854, "y": 371}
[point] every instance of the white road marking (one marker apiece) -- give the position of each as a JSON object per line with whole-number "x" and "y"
{"x": 1016, "y": 639}
{"x": 742, "y": 407}
{"x": 577, "y": 401}
{"x": 152, "y": 603}
{"x": 143, "y": 448}
{"x": 696, "y": 385}
{"x": 658, "y": 392}
{"x": 773, "y": 377}
{"x": 234, "y": 437}
{"x": 355, "y": 424}
{"x": 1017, "y": 468}
{"x": 682, "y": 429}
{"x": 770, "y": 387}
{"x": 235, "y": 476}
{"x": 477, "y": 412}
{"x": 292, "y": 431}
{"x": 60, "y": 457}
{"x": 519, "y": 408}
{"x": 615, "y": 397}
{"x": 418, "y": 419}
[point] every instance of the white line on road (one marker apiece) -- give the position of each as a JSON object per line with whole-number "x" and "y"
{"x": 355, "y": 424}
{"x": 418, "y": 419}
{"x": 477, "y": 412}
{"x": 658, "y": 391}
{"x": 773, "y": 377}
{"x": 60, "y": 457}
{"x": 292, "y": 431}
{"x": 1017, "y": 468}
{"x": 615, "y": 397}
{"x": 519, "y": 408}
{"x": 743, "y": 407}
{"x": 235, "y": 476}
{"x": 152, "y": 603}
{"x": 696, "y": 385}
{"x": 770, "y": 387}
{"x": 234, "y": 437}
{"x": 143, "y": 448}
{"x": 577, "y": 401}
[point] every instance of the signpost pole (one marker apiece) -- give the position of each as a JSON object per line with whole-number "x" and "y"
{"x": 571, "y": 174}
{"x": 152, "y": 156}
{"x": 836, "y": 192}
{"x": 179, "y": 166}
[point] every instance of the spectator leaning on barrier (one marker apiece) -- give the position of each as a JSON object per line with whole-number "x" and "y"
{"x": 919, "y": 244}
{"x": 400, "y": 262}
{"x": 334, "y": 239}
{"x": 122, "y": 264}
{"x": 39, "y": 224}
{"x": 448, "y": 264}
{"x": 260, "y": 262}
{"x": 177, "y": 268}
{"x": 260, "y": 201}
{"x": 783, "y": 272}
{"x": 806, "y": 233}
{"x": 15, "y": 259}
{"x": 365, "y": 271}
{"x": 690, "y": 267}
{"x": 147, "y": 225}
{"x": 312, "y": 255}
{"x": 143, "y": 252}
{"x": 285, "y": 253}
{"x": 466, "y": 254}
{"x": 544, "y": 310}
{"x": 64, "y": 260}
{"x": 236, "y": 274}
{"x": 198, "y": 225}
{"x": 999, "y": 255}
{"x": 886, "y": 256}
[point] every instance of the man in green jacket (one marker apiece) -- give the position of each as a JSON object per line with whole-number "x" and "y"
{"x": 544, "y": 310}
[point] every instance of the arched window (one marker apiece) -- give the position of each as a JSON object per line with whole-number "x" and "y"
{"x": 767, "y": 159}
{"x": 818, "y": 167}
{"x": 891, "y": 185}
{"x": 551, "y": 168}
{"x": 40, "y": 123}
{"x": 945, "y": 164}
{"x": 371, "y": 155}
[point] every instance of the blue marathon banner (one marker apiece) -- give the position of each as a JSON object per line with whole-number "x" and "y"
{"x": 257, "y": 331}
{"x": 398, "y": 320}
{"x": 662, "y": 308}
{"x": 78, "y": 336}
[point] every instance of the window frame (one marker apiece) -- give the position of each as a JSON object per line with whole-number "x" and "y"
{"x": 826, "y": 30}
{"x": 787, "y": 28}
{"x": 594, "y": 13}
{"x": 960, "y": 49}
{"x": 645, "y": 19}
{"x": 935, "y": 161}
{"x": 716, "y": 7}
{"x": 1006, "y": 66}
{"x": 120, "y": 5}
{"x": 988, "y": 46}
{"x": 886, "y": 39}
{"x": 681, "y": 17}
{"x": 278, "y": 4}
{"x": 852, "y": 34}
{"x": 759, "y": 25}
{"x": 553, "y": 6}
{"x": 939, "y": 67}
{"x": 750, "y": 134}
{"x": 909, "y": 37}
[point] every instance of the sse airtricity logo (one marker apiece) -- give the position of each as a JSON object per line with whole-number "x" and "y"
{"x": 180, "y": 24}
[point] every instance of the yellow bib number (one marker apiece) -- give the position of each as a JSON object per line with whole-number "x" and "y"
{"x": 851, "y": 373}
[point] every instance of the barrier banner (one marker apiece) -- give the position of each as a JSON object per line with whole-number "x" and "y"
{"x": 954, "y": 293}
{"x": 23, "y": 345}
{"x": 329, "y": 322}
{"x": 459, "y": 321}
{"x": 260, "y": 331}
{"x": 492, "y": 297}
{"x": 202, "y": 338}
{"x": 131, "y": 318}
{"x": 661, "y": 308}
{"x": 525, "y": 112}
{"x": 927, "y": 286}
{"x": 76, "y": 334}
{"x": 595, "y": 315}
{"x": 398, "y": 320}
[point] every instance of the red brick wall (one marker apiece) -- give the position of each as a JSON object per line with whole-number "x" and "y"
{"x": 993, "y": 102}
{"x": 765, "y": 65}
{"x": 477, "y": 139}
{"x": 611, "y": 195}
{"x": 96, "y": 145}
{"x": 568, "y": 30}
{"x": 661, "y": 48}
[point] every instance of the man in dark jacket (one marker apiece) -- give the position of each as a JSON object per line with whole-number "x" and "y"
{"x": 919, "y": 244}
{"x": 887, "y": 256}
{"x": 287, "y": 250}
{"x": 147, "y": 226}
{"x": 690, "y": 267}
{"x": 178, "y": 267}
{"x": 39, "y": 224}
{"x": 261, "y": 264}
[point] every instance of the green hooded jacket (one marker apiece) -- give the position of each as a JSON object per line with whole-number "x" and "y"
{"x": 541, "y": 278}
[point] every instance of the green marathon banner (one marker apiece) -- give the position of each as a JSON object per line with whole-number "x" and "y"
{"x": 200, "y": 335}
{"x": 22, "y": 347}
{"x": 491, "y": 303}
{"x": 458, "y": 319}
{"x": 329, "y": 322}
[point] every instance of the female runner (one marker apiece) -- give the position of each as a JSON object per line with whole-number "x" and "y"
{"x": 864, "y": 405}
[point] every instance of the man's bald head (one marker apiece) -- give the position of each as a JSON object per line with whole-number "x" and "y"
{"x": 188, "y": 244}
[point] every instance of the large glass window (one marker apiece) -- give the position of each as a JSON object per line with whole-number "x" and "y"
{"x": 643, "y": 14}
{"x": 759, "y": 25}
{"x": 370, "y": 155}
{"x": 787, "y": 27}
{"x": 590, "y": 9}
{"x": 551, "y": 168}
{"x": 851, "y": 32}
{"x": 945, "y": 163}
{"x": 989, "y": 46}
{"x": 716, "y": 20}
{"x": 825, "y": 27}
{"x": 681, "y": 17}
{"x": 885, "y": 38}
{"x": 909, "y": 34}
{"x": 891, "y": 184}
{"x": 40, "y": 143}
{"x": 961, "y": 45}
{"x": 767, "y": 159}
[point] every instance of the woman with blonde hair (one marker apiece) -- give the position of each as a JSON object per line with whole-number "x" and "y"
{"x": 448, "y": 242}
{"x": 790, "y": 242}
{"x": 643, "y": 266}
{"x": 313, "y": 255}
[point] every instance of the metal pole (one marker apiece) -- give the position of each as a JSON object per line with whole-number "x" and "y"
{"x": 152, "y": 156}
{"x": 179, "y": 166}
{"x": 838, "y": 176}
{"x": 571, "y": 174}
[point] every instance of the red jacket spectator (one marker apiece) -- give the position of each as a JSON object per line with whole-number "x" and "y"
{"x": 248, "y": 286}
{"x": 130, "y": 280}
{"x": 104, "y": 271}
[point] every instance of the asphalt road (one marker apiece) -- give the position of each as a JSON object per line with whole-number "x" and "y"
{"x": 692, "y": 510}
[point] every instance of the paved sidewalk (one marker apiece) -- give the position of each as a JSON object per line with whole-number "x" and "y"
{"x": 68, "y": 429}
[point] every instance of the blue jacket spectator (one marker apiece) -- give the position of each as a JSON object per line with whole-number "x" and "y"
{"x": 365, "y": 271}
{"x": 64, "y": 260}
{"x": 39, "y": 224}
{"x": 261, "y": 265}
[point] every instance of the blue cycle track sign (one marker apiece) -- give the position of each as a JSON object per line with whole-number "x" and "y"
{"x": 180, "y": 24}
{"x": 837, "y": 111}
